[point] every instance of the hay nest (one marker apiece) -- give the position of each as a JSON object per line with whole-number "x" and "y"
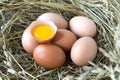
{"x": 16, "y": 15}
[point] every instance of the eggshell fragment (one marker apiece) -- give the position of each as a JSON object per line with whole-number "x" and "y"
{"x": 65, "y": 39}
{"x": 43, "y": 30}
{"x": 49, "y": 56}
{"x": 28, "y": 42}
{"x": 59, "y": 21}
{"x": 83, "y": 51}
{"x": 82, "y": 26}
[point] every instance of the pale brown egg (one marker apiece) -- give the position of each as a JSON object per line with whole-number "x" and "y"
{"x": 28, "y": 42}
{"x": 82, "y": 26}
{"x": 49, "y": 56}
{"x": 83, "y": 51}
{"x": 43, "y": 31}
{"x": 36, "y": 33}
{"x": 65, "y": 39}
{"x": 59, "y": 21}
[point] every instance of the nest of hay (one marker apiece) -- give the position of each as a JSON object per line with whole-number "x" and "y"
{"x": 16, "y": 15}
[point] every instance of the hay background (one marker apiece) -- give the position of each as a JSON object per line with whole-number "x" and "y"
{"x": 16, "y": 15}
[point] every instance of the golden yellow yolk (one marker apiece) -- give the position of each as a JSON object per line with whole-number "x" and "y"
{"x": 43, "y": 32}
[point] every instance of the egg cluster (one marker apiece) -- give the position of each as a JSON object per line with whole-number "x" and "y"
{"x": 50, "y": 37}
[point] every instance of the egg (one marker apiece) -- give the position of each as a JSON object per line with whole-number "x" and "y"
{"x": 43, "y": 31}
{"x": 64, "y": 39}
{"x": 28, "y": 42}
{"x": 83, "y": 51}
{"x": 82, "y": 26}
{"x": 38, "y": 32}
{"x": 59, "y": 21}
{"x": 49, "y": 56}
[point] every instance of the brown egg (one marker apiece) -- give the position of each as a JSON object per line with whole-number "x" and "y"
{"x": 49, "y": 56}
{"x": 65, "y": 39}
{"x": 83, "y": 51}
{"x": 59, "y": 21}
{"x": 28, "y": 42}
{"x": 82, "y": 26}
{"x": 43, "y": 31}
{"x": 37, "y": 33}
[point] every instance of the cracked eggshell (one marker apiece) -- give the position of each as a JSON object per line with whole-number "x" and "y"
{"x": 39, "y": 23}
{"x": 28, "y": 41}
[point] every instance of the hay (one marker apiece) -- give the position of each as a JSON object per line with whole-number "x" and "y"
{"x": 16, "y": 15}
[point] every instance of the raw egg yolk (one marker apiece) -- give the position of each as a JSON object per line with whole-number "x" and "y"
{"x": 43, "y": 32}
